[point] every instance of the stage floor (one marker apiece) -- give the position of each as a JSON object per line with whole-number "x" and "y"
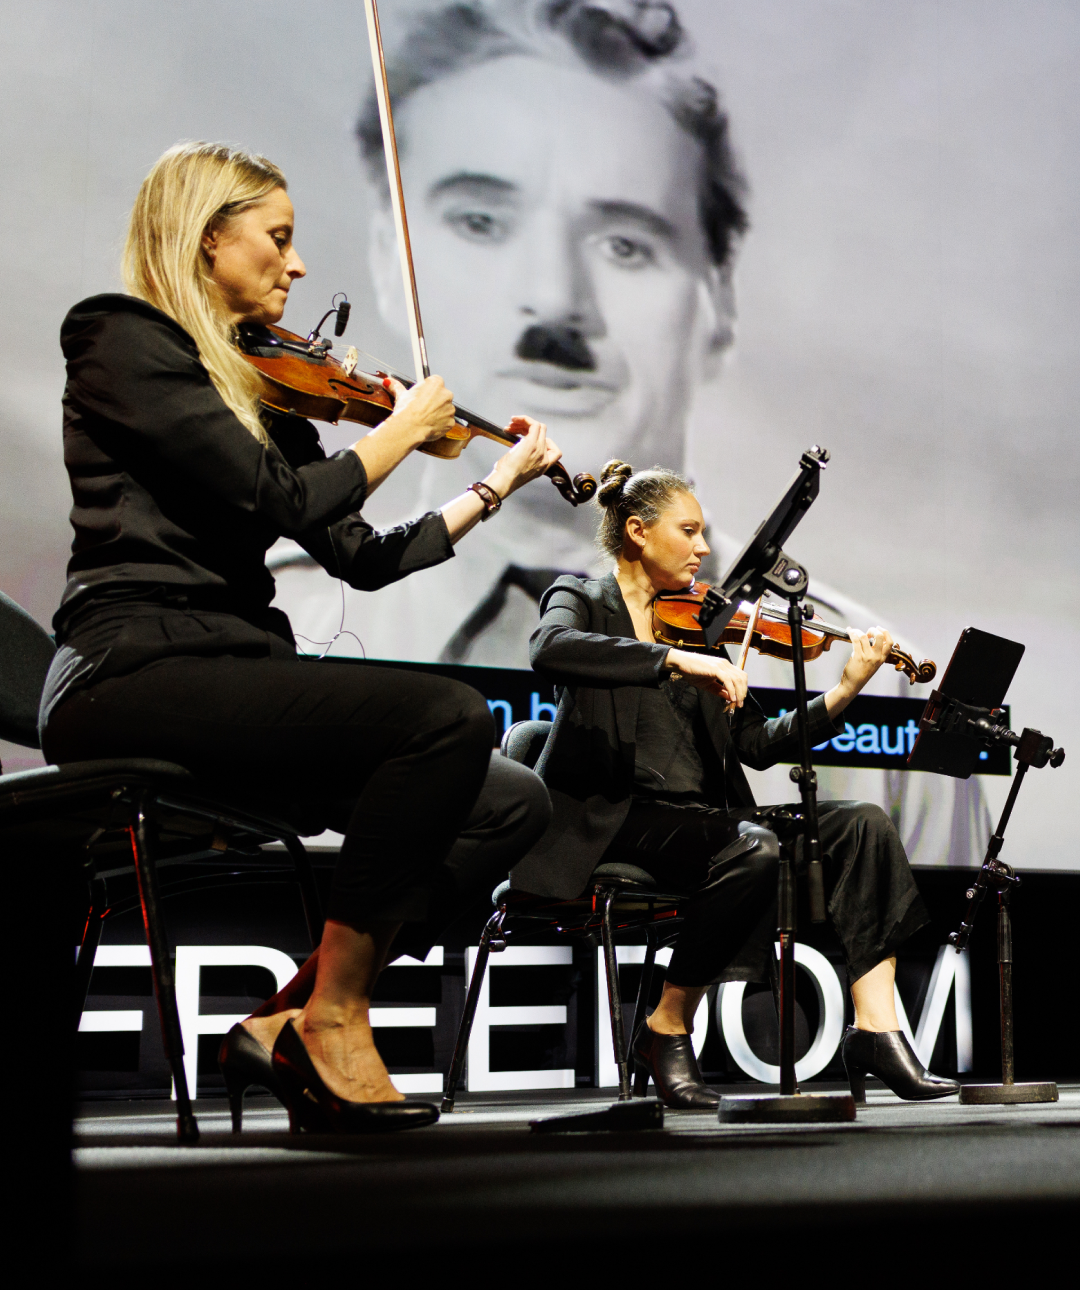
{"x": 480, "y": 1179}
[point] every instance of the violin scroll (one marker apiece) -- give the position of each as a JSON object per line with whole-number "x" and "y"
{"x": 577, "y": 490}
{"x": 921, "y": 673}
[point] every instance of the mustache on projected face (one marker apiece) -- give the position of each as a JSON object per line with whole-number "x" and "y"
{"x": 561, "y": 346}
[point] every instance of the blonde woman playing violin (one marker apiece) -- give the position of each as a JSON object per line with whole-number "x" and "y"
{"x": 644, "y": 766}
{"x": 169, "y": 646}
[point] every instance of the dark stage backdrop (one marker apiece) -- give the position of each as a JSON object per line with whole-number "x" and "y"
{"x": 906, "y": 294}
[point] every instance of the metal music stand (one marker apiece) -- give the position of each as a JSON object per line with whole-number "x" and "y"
{"x": 762, "y": 566}
{"x": 961, "y": 718}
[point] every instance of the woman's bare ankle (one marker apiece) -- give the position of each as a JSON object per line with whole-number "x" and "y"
{"x": 663, "y": 1025}
{"x": 267, "y": 1029}
{"x": 342, "y": 1048}
{"x": 876, "y": 1025}
{"x": 318, "y": 1015}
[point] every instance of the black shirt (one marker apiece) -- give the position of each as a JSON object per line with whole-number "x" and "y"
{"x": 675, "y": 760}
{"x": 666, "y": 759}
{"x": 175, "y": 502}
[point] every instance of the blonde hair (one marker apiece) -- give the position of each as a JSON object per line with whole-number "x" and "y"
{"x": 622, "y": 493}
{"x": 191, "y": 188}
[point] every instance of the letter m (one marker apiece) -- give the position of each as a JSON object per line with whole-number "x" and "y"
{"x": 951, "y": 970}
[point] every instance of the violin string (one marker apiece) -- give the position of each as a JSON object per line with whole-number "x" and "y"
{"x": 385, "y": 367}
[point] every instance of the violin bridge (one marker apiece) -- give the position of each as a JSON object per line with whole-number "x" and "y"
{"x": 350, "y": 360}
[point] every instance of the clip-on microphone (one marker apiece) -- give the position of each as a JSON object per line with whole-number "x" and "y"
{"x": 341, "y": 320}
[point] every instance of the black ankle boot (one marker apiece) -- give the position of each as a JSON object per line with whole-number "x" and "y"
{"x": 670, "y": 1060}
{"x": 888, "y": 1055}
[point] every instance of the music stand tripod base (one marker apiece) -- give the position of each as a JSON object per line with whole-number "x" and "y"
{"x": 1007, "y": 1094}
{"x": 802, "y": 1108}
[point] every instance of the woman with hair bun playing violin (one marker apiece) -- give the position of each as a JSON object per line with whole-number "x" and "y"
{"x": 644, "y": 766}
{"x": 169, "y": 646}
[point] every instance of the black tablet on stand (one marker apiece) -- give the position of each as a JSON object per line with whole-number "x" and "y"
{"x": 978, "y": 676}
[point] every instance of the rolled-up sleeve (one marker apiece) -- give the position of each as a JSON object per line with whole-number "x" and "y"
{"x": 762, "y": 742}
{"x": 368, "y": 558}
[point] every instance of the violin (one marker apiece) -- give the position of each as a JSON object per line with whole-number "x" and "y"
{"x": 765, "y": 629}
{"x": 300, "y": 376}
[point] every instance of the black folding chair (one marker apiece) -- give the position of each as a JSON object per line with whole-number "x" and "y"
{"x": 101, "y": 818}
{"x": 620, "y": 898}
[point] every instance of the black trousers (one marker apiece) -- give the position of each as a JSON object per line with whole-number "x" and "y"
{"x": 728, "y": 866}
{"x": 399, "y": 762}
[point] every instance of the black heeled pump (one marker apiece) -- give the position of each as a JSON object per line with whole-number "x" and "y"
{"x": 671, "y": 1062}
{"x": 888, "y": 1055}
{"x": 313, "y": 1108}
{"x": 244, "y": 1062}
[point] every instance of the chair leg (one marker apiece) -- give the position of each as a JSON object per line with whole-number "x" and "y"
{"x": 91, "y": 938}
{"x": 611, "y": 966}
{"x": 187, "y": 1129}
{"x": 641, "y": 1082}
{"x": 309, "y": 890}
{"x": 461, "y": 1047}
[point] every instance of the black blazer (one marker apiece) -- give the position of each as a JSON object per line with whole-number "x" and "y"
{"x": 175, "y": 504}
{"x": 586, "y": 644}
{"x": 170, "y": 490}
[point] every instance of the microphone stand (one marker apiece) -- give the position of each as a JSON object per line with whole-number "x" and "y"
{"x": 949, "y": 716}
{"x": 764, "y": 566}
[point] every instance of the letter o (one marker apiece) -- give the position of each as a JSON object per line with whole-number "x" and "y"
{"x": 729, "y": 1001}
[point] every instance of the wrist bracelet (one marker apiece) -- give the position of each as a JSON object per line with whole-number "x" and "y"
{"x": 491, "y": 499}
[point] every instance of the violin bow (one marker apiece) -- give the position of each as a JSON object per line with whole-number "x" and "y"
{"x": 576, "y": 490}
{"x": 397, "y": 193}
{"x": 748, "y": 636}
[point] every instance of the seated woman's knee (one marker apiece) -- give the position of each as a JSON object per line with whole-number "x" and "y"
{"x": 478, "y": 719}
{"x": 871, "y": 817}
{"x": 462, "y": 712}
{"x": 517, "y": 794}
{"x": 762, "y": 861}
{"x": 768, "y": 844}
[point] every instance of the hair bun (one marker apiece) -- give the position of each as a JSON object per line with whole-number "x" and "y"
{"x": 612, "y": 482}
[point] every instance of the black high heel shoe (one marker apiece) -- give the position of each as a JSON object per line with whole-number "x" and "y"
{"x": 888, "y": 1055}
{"x": 671, "y": 1062}
{"x": 313, "y": 1108}
{"x": 243, "y": 1061}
